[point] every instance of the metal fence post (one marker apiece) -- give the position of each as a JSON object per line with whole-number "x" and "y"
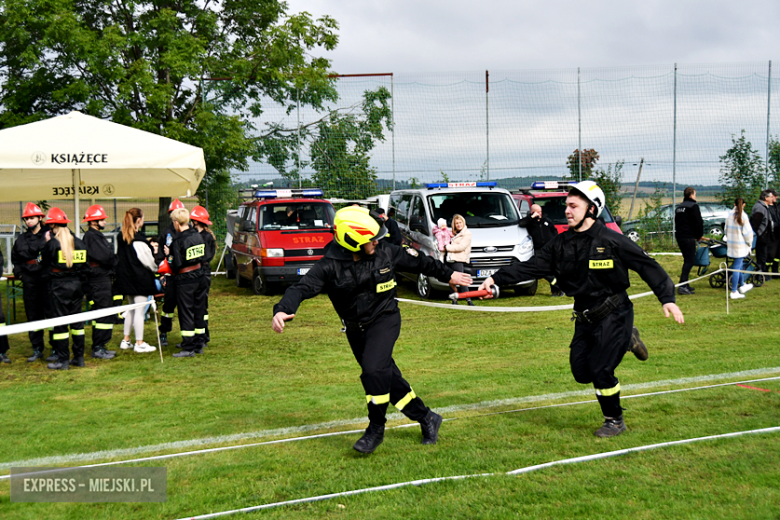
{"x": 487, "y": 123}
{"x": 768, "y": 105}
{"x": 674, "y": 153}
{"x": 579, "y": 129}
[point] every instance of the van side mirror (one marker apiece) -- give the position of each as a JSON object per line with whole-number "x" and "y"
{"x": 417, "y": 224}
{"x": 246, "y": 226}
{"x": 619, "y": 221}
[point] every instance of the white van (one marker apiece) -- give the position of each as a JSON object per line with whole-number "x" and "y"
{"x": 491, "y": 214}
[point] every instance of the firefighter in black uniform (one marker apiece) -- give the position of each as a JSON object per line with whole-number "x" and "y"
{"x": 200, "y": 217}
{"x": 169, "y": 282}
{"x": 185, "y": 257}
{"x": 102, "y": 262}
{"x": 65, "y": 258}
{"x": 24, "y": 256}
{"x": 3, "y": 339}
{"x": 591, "y": 264}
{"x": 358, "y": 274}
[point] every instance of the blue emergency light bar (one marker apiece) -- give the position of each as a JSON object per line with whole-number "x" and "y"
{"x": 288, "y": 194}
{"x": 484, "y": 184}
{"x": 552, "y": 185}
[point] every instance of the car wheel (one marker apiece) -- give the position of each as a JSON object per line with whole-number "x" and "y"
{"x": 259, "y": 285}
{"x": 528, "y": 290}
{"x": 230, "y": 269}
{"x": 633, "y": 235}
{"x": 716, "y": 231}
{"x": 424, "y": 289}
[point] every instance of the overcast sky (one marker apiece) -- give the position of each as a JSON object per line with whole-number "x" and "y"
{"x": 458, "y": 35}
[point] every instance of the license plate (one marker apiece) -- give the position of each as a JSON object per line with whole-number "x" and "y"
{"x": 303, "y": 270}
{"x": 485, "y": 273}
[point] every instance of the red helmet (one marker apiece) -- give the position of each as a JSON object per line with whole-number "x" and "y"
{"x": 57, "y": 216}
{"x": 176, "y": 204}
{"x": 200, "y": 214}
{"x": 164, "y": 267}
{"x": 95, "y": 212}
{"x": 32, "y": 210}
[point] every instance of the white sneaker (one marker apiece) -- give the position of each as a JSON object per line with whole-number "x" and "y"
{"x": 745, "y": 288}
{"x": 736, "y": 296}
{"x": 145, "y": 347}
{"x": 125, "y": 345}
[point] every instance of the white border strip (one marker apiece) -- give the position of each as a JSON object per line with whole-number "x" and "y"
{"x": 82, "y": 457}
{"x": 73, "y": 318}
{"x": 575, "y": 460}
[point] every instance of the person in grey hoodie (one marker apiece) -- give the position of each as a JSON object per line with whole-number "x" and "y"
{"x": 763, "y": 225}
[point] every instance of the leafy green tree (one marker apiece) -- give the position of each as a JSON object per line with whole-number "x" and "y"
{"x": 589, "y": 158}
{"x": 610, "y": 181}
{"x": 774, "y": 162}
{"x": 741, "y": 172}
{"x": 153, "y": 65}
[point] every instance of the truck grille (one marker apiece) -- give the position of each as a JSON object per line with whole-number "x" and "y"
{"x": 493, "y": 249}
{"x": 492, "y": 262}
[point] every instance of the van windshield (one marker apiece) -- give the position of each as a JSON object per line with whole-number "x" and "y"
{"x": 309, "y": 215}
{"x": 480, "y": 209}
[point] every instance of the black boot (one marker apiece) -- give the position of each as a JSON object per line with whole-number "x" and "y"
{"x": 471, "y": 303}
{"x": 163, "y": 339}
{"x": 612, "y": 426}
{"x": 77, "y": 361}
{"x": 4, "y": 358}
{"x": 53, "y": 358}
{"x": 430, "y": 427}
{"x": 637, "y": 346}
{"x": 375, "y": 434}
{"x": 59, "y": 365}
{"x": 37, "y": 354}
{"x": 102, "y": 354}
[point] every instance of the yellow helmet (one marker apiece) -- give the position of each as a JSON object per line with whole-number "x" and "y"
{"x": 355, "y": 226}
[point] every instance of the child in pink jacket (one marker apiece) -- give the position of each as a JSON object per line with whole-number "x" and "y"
{"x": 443, "y": 236}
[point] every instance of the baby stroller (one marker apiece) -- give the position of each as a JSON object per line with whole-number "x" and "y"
{"x": 718, "y": 280}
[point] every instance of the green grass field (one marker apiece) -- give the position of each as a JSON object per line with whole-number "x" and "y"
{"x": 253, "y": 386}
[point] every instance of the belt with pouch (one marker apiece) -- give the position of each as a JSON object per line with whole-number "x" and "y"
{"x": 598, "y": 313}
{"x": 362, "y": 326}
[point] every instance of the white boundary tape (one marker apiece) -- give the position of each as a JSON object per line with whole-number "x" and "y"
{"x": 73, "y": 318}
{"x": 82, "y": 457}
{"x": 528, "y": 469}
{"x": 541, "y": 308}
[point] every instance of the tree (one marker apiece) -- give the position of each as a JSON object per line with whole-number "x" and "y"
{"x": 610, "y": 181}
{"x": 339, "y": 144}
{"x": 774, "y": 163}
{"x": 741, "y": 172}
{"x": 152, "y": 64}
{"x": 589, "y": 158}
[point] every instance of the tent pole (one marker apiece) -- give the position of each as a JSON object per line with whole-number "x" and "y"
{"x": 76, "y": 186}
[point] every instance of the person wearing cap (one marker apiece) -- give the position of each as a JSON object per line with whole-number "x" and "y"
{"x": 64, "y": 257}
{"x": 591, "y": 264}
{"x": 186, "y": 257}
{"x": 357, "y": 272}
{"x": 542, "y": 230}
{"x": 25, "y": 258}
{"x": 200, "y": 217}
{"x": 169, "y": 284}
{"x": 393, "y": 232}
{"x": 102, "y": 262}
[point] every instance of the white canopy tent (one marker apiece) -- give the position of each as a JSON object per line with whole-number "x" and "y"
{"x": 79, "y": 156}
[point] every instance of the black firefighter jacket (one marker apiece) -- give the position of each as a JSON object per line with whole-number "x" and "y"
{"x": 360, "y": 291}
{"x": 591, "y": 266}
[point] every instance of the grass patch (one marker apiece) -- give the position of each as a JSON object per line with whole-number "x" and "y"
{"x": 252, "y": 380}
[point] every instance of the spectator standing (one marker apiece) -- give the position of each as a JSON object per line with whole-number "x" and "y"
{"x": 764, "y": 227}
{"x": 459, "y": 251}
{"x": 443, "y": 236}
{"x": 393, "y": 233}
{"x": 135, "y": 277}
{"x": 739, "y": 241}
{"x": 24, "y": 256}
{"x": 689, "y": 228}
{"x": 64, "y": 257}
{"x": 542, "y": 230}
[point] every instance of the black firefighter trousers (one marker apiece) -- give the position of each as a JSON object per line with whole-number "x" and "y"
{"x": 382, "y": 380}
{"x": 596, "y": 351}
{"x": 190, "y": 299}
{"x": 35, "y": 295}
{"x": 65, "y": 298}
{"x": 101, "y": 297}
{"x": 169, "y": 304}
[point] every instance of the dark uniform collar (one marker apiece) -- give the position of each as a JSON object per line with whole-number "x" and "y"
{"x": 338, "y": 252}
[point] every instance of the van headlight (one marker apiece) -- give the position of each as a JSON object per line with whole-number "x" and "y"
{"x": 526, "y": 245}
{"x": 272, "y": 253}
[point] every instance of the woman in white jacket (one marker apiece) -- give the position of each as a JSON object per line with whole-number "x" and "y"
{"x": 459, "y": 250}
{"x": 739, "y": 240}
